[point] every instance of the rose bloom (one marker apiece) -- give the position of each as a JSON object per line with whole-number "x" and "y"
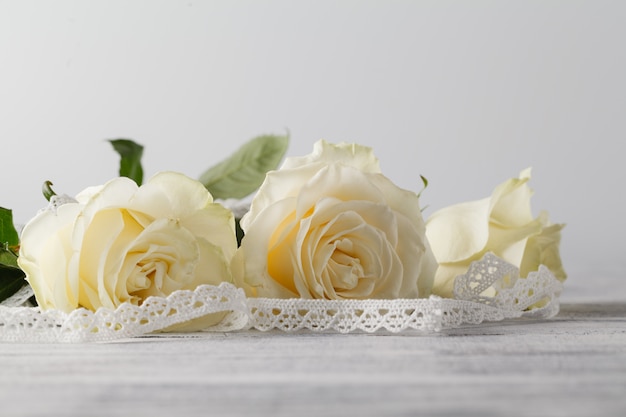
{"x": 502, "y": 224}
{"x": 123, "y": 243}
{"x": 330, "y": 226}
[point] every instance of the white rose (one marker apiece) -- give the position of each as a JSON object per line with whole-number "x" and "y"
{"x": 330, "y": 226}
{"x": 502, "y": 224}
{"x": 123, "y": 243}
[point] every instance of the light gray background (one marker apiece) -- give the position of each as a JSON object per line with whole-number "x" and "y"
{"x": 467, "y": 93}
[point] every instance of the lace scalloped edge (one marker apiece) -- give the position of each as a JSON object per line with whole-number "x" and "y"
{"x": 491, "y": 290}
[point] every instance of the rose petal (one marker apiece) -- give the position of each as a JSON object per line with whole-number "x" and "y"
{"x": 44, "y": 258}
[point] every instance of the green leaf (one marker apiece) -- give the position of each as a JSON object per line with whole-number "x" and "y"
{"x": 425, "y": 184}
{"x": 11, "y": 280}
{"x": 130, "y": 163}
{"x": 7, "y": 255}
{"x": 8, "y": 234}
{"x": 243, "y": 172}
{"x": 238, "y": 231}
{"x": 47, "y": 190}
{"x": 11, "y": 276}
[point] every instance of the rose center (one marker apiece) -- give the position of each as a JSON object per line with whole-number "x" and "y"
{"x": 344, "y": 269}
{"x": 145, "y": 274}
{"x": 161, "y": 260}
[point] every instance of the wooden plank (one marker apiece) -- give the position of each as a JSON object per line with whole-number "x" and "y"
{"x": 573, "y": 365}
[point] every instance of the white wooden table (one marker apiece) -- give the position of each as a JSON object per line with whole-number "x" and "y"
{"x": 572, "y": 365}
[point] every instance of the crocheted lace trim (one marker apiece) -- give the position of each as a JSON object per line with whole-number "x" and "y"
{"x": 535, "y": 296}
{"x": 491, "y": 290}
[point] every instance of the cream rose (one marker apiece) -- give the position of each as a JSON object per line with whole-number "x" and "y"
{"x": 330, "y": 226}
{"x": 502, "y": 224}
{"x": 123, "y": 243}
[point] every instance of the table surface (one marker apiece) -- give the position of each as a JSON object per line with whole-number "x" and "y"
{"x": 571, "y": 365}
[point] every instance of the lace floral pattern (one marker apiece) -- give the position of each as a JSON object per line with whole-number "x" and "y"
{"x": 513, "y": 297}
{"x": 490, "y": 291}
{"x": 155, "y": 314}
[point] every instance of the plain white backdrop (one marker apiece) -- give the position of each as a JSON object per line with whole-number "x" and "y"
{"x": 466, "y": 93}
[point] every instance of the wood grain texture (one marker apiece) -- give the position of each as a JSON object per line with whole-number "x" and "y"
{"x": 572, "y": 365}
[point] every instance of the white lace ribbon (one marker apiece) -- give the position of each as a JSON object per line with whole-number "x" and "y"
{"x": 27, "y": 324}
{"x": 491, "y": 290}
{"x": 535, "y": 296}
